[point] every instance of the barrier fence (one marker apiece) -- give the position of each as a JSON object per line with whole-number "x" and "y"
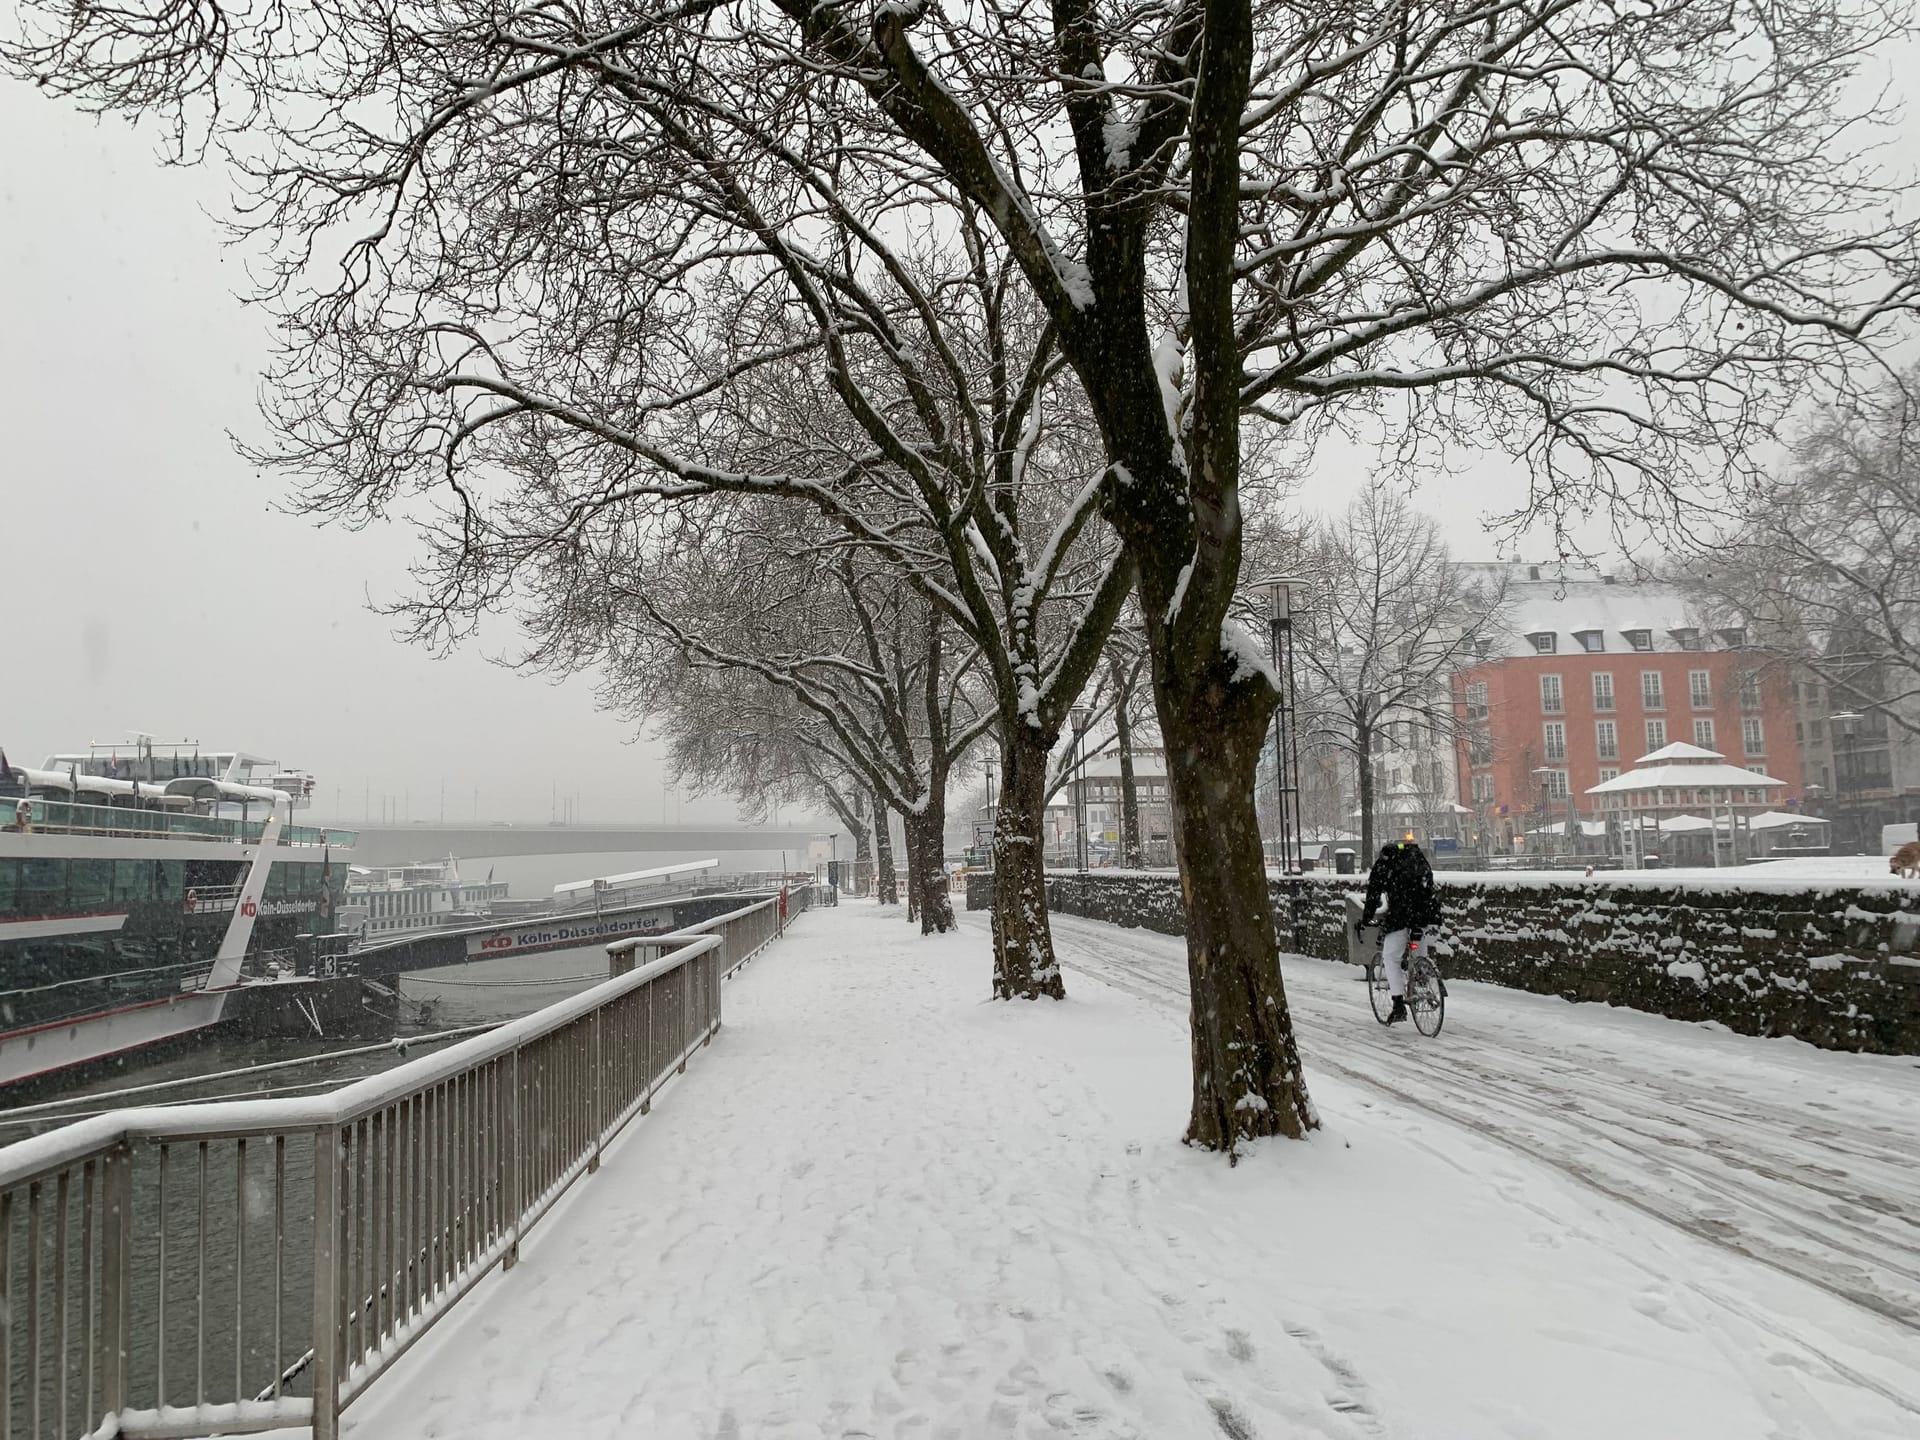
{"x": 161, "y": 1273}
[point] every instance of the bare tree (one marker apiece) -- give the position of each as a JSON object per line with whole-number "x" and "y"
{"x": 719, "y": 607}
{"x": 1614, "y": 239}
{"x": 1823, "y": 566}
{"x": 1389, "y": 620}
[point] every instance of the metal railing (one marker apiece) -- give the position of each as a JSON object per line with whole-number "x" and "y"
{"x": 747, "y": 931}
{"x": 161, "y": 1273}
{"x": 69, "y": 818}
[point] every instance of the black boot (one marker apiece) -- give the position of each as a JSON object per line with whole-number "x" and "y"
{"x": 1399, "y": 1011}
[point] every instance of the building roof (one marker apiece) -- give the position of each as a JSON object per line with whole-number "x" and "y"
{"x": 1545, "y": 599}
{"x": 1690, "y": 775}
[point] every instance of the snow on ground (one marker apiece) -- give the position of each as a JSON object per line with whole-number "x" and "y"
{"x": 881, "y": 1205}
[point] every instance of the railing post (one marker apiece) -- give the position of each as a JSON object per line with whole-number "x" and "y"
{"x": 686, "y": 1013}
{"x": 116, "y": 1257}
{"x": 326, "y": 1283}
{"x": 511, "y": 1146}
{"x": 599, "y": 1087}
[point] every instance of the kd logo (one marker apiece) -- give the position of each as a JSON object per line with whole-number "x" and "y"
{"x": 249, "y": 909}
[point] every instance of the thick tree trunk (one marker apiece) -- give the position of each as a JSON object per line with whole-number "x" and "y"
{"x": 1023, "y": 962}
{"x": 1363, "y": 772}
{"x": 889, "y": 885}
{"x": 926, "y": 835}
{"x": 1130, "y": 855}
{"x": 1247, "y": 1080}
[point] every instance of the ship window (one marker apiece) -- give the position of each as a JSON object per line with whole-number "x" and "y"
{"x": 9, "y": 886}
{"x": 43, "y": 887}
{"x": 132, "y": 881}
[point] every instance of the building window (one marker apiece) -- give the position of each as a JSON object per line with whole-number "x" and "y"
{"x": 1556, "y": 785}
{"x": 1480, "y": 748}
{"x": 1733, "y": 638}
{"x": 1476, "y": 700}
{"x": 1752, "y": 738}
{"x": 1688, "y": 639}
{"x": 1556, "y": 738}
{"x": 1550, "y": 697}
{"x": 1700, "y": 689}
{"x": 1602, "y": 690}
{"x": 1656, "y": 735}
{"x": 1591, "y": 641}
{"x": 1609, "y": 772}
{"x": 1545, "y": 642}
{"x": 1639, "y": 639}
{"x": 1606, "y": 739}
{"x": 1652, "y": 695}
{"x": 1749, "y": 690}
{"x": 1703, "y": 734}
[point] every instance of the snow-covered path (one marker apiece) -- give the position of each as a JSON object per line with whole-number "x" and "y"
{"x": 881, "y": 1205}
{"x": 1799, "y": 1158}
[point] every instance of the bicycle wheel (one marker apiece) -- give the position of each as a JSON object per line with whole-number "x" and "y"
{"x": 1426, "y": 997}
{"x": 1378, "y": 991}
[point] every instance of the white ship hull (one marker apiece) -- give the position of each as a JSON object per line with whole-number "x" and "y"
{"x": 25, "y": 1054}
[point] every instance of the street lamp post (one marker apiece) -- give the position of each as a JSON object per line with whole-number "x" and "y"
{"x": 1282, "y": 591}
{"x": 1080, "y": 718}
{"x": 991, "y": 826}
{"x": 1846, "y": 725}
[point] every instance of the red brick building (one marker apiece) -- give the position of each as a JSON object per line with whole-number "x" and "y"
{"x": 1588, "y": 676}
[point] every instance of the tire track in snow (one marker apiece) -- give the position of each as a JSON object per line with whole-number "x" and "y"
{"x": 1758, "y": 1180}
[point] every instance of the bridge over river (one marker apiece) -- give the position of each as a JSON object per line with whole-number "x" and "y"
{"x": 401, "y": 844}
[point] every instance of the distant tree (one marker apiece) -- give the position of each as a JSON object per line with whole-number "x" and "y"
{"x": 1822, "y": 567}
{"x": 1388, "y": 620}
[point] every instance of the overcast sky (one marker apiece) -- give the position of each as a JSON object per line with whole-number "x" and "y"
{"x": 150, "y": 584}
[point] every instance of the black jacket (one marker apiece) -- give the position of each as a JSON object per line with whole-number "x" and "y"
{"x": 1404, "y": 877}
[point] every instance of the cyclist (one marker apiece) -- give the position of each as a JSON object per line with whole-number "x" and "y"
{"x": 1402, "y": 876}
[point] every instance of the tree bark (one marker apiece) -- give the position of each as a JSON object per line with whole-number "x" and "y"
{"x": 1130, "y": 855}
{"x": 1363, "y": 774}
{"x": 1023, "y": 961}
{"x": 910, "y": 835}
{"x": 1247, "y": 1080}
{"x": 889, "y": 885}
{"x": 926, "y": 838}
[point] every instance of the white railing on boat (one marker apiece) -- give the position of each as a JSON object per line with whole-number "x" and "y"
{"x": 161, "y": 1273}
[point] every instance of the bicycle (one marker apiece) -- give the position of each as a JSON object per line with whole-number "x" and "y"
{"x": 1426, "y": 991}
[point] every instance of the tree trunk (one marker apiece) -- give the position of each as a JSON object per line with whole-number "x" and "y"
{"x": 1130, "y": 855}
{"x": 926, "y": 837}
{"x": 1247, "y": 1080}
{"x": 1363, "y": 773}
{"x": 910, "y": 835}
{"x": 862, "y": 861}
{"x": 889, "y": 885}
{"x": 1023, "y": 961}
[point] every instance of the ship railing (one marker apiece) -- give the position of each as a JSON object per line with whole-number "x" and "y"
{"x": 65, "y": 817}
{"x": 161, "y": 1271}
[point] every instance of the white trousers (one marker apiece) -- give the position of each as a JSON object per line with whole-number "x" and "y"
{"x": 1393, "y": 953}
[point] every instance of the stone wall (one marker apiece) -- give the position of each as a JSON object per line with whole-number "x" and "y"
{"x": 1838, "y": 967}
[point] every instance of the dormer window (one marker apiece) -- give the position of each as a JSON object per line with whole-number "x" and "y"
{"x": 1591, "y": 641}
{"x": 1545, "y": 642}
{"x": 1734, "y": 638}
{"x": 1687, "y": 638}
{"x": 1639, "y": 639}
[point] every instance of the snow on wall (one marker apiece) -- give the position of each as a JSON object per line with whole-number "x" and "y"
{"x": 1836, "y": 966}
